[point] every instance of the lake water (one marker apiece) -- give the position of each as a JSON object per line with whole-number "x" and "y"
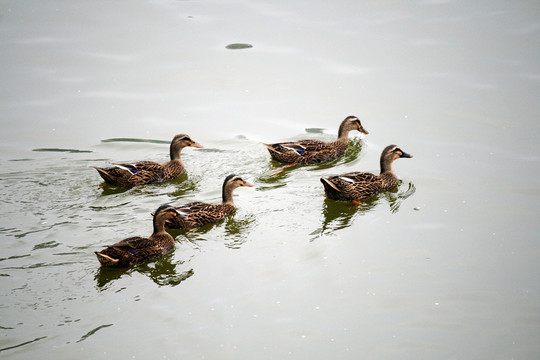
{"x": 446, "y": 266}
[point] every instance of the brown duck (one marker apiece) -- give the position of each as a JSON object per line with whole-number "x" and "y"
{"x": 315, "y": 151}
{"x": 137, "y": 249}
{"x": 198, "y": 213}
{"x": 146, "y": 172}
{"x": 360, "y": 185}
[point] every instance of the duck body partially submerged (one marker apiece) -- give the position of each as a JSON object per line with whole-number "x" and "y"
{"x": 355, "y": 186}
{"x": 314, "y": 151}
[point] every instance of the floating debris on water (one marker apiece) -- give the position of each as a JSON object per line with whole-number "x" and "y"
{"x": 238, "y": 46}
{"x": 315, "y": 130}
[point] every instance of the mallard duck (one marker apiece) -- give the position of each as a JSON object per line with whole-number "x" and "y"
{"x": 315, "y": 151}
{"x": 360, "y": 185}
{"x": 199, "y": 213}
{"x": 138, "y": 249}
{"x": 145, "y": 172}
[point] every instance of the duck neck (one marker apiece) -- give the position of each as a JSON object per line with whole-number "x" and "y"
{"x": 343, "y": 134}
{"x": 386, "y": 166}
{"x": 174, "y": 152}
{"x": 227, "y": 195}
{"x": 159, "y": 224}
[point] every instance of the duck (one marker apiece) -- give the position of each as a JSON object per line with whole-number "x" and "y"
{"x": 315, "y": 151}
{"x": 138, "y": 249}
{"x": 355, "y": 186}
{"x": 195, "y": 214}
{"x": 129, "y": 175}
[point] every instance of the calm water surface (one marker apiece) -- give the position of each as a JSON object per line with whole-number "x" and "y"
{"x": 445, "y": 266}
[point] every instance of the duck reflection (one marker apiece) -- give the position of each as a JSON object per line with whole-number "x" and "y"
{"x": 237, "y": 229}
{"x": 339, "y": 215}
{"x": 163, "y": 272}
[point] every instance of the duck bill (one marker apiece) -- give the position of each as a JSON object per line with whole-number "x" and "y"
{"x": 405, "y": 155}
{"x": 363, "y": 131}
{"x": 197, "y": 145}
{"x": 248, "y": 184}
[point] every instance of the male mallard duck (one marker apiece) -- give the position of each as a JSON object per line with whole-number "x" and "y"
{"x": 315, "y": 151}
{"x": 146, "y": 172}
{"x": 198, "y": 213}
{"x": 360, "y": 185}
{"x": 138, "y": 249}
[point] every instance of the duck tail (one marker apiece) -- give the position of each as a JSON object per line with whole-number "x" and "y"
{"x": 330, "y": 189}
{"x": 268, "y": 146}
{"x": 106, "y": 260}
{"x": 103, "y": 173}
{"x": 329, "y": 184}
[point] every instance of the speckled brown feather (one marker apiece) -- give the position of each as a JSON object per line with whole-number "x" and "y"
{"x": 137, "y": 249}
{"x": 306, "y": 151}
{"x": 198, "y": 213}
{"x": 147, "y": 172}
{"x": 361, "y": 185}
{"x": 315, "y": 151}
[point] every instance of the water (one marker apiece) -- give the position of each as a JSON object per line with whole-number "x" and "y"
{"x": 445, "y": 266}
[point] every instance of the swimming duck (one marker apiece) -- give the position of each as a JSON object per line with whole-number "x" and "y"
{"x": 137, "y": 249}
{"x": 360, "y": 185}
{"x": 146, "y": 172}
{"x": 315, "y": 151}
{"x": 199, "y": 213}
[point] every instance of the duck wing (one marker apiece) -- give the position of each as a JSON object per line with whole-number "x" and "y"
{"x": 300, "y": 147}
{"x": 352, "y": 186}
{"x": 132, "y": 243}
{"x": 200, "y": 213}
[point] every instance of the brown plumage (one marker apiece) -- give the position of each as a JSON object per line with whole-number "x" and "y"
{"x": 197, "y": 213}
{"x": 315, "y": 151}
{"x": 137, "y": 249}
{"x": 146, "y": 172}
{"x": 360, "y": 185}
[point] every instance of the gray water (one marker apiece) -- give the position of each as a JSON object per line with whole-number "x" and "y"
{"x": 445, "y": 266}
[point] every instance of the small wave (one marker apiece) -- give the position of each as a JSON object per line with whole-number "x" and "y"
{"x": 92, "y": 332}
{"x": 61, "y": 150}
{"x": 23, "y": 344}
{"x": 151, "y": 141}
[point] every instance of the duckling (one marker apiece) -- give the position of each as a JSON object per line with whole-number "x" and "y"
{"x": 147, "y": 172}
{"x": 198, "y": 213}
{"x": 137, "y": 249}
{"x": 315, "y": 151}
{"x": 360, "y": 185}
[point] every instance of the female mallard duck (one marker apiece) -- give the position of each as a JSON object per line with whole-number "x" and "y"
{"x": 315, "y": 151}
{"x": 360, "y": 185}
{"x": 147, "y": 172}
{"x": 198, "y": 213}
{"x": 138, "y": 249}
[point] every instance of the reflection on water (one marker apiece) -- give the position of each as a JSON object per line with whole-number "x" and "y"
{"x": 237, "y": 230}
{"x": 338, "y": 215}
{"x": 232, "y": 231}
{"x": 162, "y": 271}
